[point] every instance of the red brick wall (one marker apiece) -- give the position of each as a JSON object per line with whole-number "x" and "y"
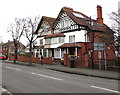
{"x": 46, "y": 60}
{"x": 79, "y": 62}
{"x": 84, "y": 60}
{"x": 65, "y": 59}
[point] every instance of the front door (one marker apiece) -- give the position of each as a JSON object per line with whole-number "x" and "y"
{"x": 72, "y": 51}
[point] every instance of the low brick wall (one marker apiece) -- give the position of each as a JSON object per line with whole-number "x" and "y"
{"x": 79, "y": 63}
{"x": 46, "y": 60}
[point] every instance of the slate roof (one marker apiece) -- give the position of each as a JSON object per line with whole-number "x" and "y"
{"x": 85, "y": 21}
{"x": 10, "y": 43}
{"x": 50, "y": 20}
{"x": 66, "y": 45}
{"x": 54, "y": 35}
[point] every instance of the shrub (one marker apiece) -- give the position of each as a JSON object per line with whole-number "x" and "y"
{"x": 25, "y": 54}
{"x": 12, "y": 54}
{"x": 6, "y": 56}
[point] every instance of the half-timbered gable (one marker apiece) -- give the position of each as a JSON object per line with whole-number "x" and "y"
{"x": 45, "y": 26}
{"x": 64, "y": 23}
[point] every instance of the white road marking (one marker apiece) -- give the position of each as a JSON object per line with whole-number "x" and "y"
{"x": 34, "y": 73}
{"x": 106, "y": 89}
{"x": 9, "y": 67}
{"x": 18, "y": 69}
{"x": 13, "y": 68}
{"x": 46, "y": 76}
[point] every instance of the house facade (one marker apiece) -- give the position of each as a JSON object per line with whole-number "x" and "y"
{"x": 8, "y": 48}
{"x": 74, "y": 33}
{"x": 44, "y": 28}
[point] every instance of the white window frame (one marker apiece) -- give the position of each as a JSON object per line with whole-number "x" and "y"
{"x": 61, "y": 39}
{"x": 47, "y": 41}
{"x": 57, "y": 53}
{"x": 72, "y": 38}
{"x": 54, "y": 40}
{"x": 41, "y": 41}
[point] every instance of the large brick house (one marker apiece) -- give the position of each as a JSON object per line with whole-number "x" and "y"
{"x": 74, "y": 33}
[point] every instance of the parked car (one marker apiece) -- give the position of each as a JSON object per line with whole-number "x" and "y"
{"x": 2, "y": 57}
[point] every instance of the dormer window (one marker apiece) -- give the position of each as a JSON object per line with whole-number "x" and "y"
{"x": 78, "y": 15}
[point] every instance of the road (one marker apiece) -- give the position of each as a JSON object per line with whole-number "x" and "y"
{"x": 26, "y": 79}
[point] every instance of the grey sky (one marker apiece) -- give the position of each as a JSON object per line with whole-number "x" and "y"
{"x": 11, "y": 9}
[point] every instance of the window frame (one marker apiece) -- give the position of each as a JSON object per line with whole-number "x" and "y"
{"x": 71, "y": 38}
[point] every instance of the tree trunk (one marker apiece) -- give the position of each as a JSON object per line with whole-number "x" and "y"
{"x": 30, "y": 62}
{"x": 15, "y": 56}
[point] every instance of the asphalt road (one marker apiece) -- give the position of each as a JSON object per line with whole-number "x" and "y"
{"x": 26, "y": 79}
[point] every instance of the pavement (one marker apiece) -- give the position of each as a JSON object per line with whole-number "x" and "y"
{"x": 79, "y": 71}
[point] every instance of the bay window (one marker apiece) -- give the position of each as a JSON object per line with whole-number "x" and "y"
{"x": 47, "y": 41}
{"x": 54, "y": 40}
{"x": 61, "y": 40}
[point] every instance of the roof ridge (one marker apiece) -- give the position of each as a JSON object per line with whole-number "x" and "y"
{"x": 48, "y": 17}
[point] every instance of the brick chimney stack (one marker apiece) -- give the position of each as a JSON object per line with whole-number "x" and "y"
{"x": 99, "y": 14}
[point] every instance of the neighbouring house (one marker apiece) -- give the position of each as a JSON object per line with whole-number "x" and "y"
{"x": 1, "y": 47}
{"x": 8, "y": 48}
{"x": 44, "y": 28}
{"x": 74, "y": 33}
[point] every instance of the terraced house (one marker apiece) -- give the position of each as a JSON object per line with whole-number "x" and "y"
{"x": 74, "y": 33}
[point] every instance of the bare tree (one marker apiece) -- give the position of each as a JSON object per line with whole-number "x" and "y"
{"x": 115, "y": 17}
{"x": 31, "y": 25}
{"x": 16, "y": 30}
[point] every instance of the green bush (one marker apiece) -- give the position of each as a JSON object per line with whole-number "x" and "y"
{"x": 12, "y": 54}
{"x": 6, "y": 56}
{"x": 25, "y": 54}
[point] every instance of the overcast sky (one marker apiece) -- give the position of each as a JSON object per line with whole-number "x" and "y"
{"x": 10, "y": 9}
